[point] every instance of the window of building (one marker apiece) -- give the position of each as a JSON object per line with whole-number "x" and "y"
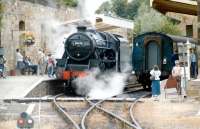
{"x": 189, "y": 30}
{"x": 21, "y": 26}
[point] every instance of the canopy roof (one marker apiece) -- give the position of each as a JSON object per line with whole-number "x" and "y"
{"x": 178, "y": 6}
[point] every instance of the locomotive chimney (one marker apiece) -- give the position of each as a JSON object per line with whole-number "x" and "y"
{"x": 81, "y": 28}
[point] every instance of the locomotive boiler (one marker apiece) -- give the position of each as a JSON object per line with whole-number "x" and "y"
{"x": 87, "y": 49}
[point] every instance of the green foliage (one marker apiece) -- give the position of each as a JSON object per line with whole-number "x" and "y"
{"x": 69, "y": 3}
{"x": 148, "y": 20}
{"x": 121, "y": 8}
{"x": 1, "y": 13}
{"x": 132, "y": 8}
{"x": 105, "y": 8}
{"x": 145, "y": 18}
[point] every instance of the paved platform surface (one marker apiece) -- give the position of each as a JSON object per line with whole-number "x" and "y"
{"x": 19, "y": 86}
{"x": 171, "y": 94}
{"x": 168, "y": 94}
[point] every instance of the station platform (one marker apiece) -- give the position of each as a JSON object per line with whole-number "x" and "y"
{"x": 19, "y": 86}
{"x": 192, "y": 90}
{"x": 168, "y": 94}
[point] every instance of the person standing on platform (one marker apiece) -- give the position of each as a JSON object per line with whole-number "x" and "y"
{"x": 174, "y": 57}
{"x": 50, "y": 65}
{"x": 193, "y": 61}
{"x": 19, "y": 59}
{"x": 176, "y": 73}
{"x": 155, "y": 84}
{"x": 2, "y": 66}
{"x": 41, "y": 62}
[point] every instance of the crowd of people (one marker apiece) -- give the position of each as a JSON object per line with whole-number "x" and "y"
{"x": 44, "y": 65}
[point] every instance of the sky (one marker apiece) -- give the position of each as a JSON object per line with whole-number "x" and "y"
{"x": 93, "y": 5}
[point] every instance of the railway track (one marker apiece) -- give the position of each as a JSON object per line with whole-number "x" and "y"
{"x": 97, "y": 106}
{"x": 67, "y": 118}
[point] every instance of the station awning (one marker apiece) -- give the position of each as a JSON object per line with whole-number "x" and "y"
{"x": 182, "y": 39}
{"x": 104, "y": 23}
{"x": 178, "y": 6}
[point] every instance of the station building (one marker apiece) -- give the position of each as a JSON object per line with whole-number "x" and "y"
{"x": 24, "y": 27}
{"x": 183, "y": 12}
{"x": 188, "y": 13}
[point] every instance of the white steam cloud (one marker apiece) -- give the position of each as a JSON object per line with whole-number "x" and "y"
{"x": 56, "y": 35}
{"x": 99, "y": 85}
{"x": 56, "y": 32}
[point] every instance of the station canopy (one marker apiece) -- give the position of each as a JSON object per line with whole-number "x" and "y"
{"x": 178, "y": 6}
{"x": 104, "y": 23}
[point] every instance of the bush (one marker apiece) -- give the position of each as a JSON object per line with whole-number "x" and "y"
{"x": 148, "y": 20}
{"x": 68, "y": 3}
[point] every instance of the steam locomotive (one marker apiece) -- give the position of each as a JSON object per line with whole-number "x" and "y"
{"x": 87, "y": 49}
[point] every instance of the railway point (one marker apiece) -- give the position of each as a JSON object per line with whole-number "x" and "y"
{"x": 91, "y": 64}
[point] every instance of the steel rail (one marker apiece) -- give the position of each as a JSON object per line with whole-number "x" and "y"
{"x": 131, "y": 111}
{"x": 64, "y": 114}
{"x": 114, "y": 115}
{"x": 93, "y": 105}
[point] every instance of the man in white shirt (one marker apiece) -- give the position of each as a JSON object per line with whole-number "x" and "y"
{"x": 42, "y": 62}
{"x": 19, "y": 59}
{"x": 176, "y": 73}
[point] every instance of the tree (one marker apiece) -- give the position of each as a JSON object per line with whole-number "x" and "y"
{"x": 1, "y": 13}
{"x": 69, "y": 3}
{"x": 119, "y": 7}
{"x": 1, "y": 16}
{"x": 132, "y": 9}
{"x": 105, "y": 8}
{"x": 148, "y": 20}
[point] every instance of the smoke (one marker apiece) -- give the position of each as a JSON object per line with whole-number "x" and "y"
{"x": 98, "y": 85}
{"x": 87, "y": 9}
{"x": 56, "y": 34}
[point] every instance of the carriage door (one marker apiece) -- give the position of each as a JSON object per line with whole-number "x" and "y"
{"x": 152, "y": 54}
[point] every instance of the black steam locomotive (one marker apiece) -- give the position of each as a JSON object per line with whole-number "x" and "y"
{"x": 87, "y": 49}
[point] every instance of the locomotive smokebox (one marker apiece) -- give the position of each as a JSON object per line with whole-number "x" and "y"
{"x": 81, "y": 28}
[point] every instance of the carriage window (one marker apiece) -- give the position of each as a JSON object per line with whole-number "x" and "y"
{"x": 189, "y": 30}
{"x": 21, "y": 26}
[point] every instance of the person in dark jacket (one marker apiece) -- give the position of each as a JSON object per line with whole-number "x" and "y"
{"x": 174, "y": 58}
{"x": 2, "y": 66}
